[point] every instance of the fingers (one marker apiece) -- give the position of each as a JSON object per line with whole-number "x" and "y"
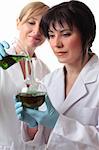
{"x": 19, "y": 109}
{"x": 48, "y": 102}
{"x": 15, "y": 99}
{"x": 31, "y": 111}
{"x": 5, "y": 44}
{"x": 2, "y": 51}
{"x": 34, "y": 113}
{"x": 18, "y": 105}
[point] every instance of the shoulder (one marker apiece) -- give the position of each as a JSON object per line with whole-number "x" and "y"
{"x": 39, "y": 63}
{"x": 94, "y": 63}
{"x": 41, "y": 69}
{"x": 90, "y": 73}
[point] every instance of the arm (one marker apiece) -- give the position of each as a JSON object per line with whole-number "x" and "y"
{"x": 31, "y": 132}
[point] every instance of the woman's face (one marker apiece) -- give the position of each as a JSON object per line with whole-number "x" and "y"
{"x": 29, "y": 31}
{"x": 66, "y": 43}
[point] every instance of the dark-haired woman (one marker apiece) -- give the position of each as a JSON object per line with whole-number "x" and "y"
{"x": 71, "y": 119}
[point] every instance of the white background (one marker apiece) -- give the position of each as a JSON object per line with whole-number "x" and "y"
{"x": 9, "y": 11}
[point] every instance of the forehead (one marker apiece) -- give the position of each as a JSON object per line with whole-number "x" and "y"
{"x": 34, "y": 16}
{"x": 58, "y": 26}
{"x": 31, "y": 15}
{"x": 36, "y": 12}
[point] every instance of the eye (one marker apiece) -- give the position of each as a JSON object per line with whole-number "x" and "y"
{"x": 66, "y": 34}
{"x": 51, "y": 35}
{"x": 31, "y": 22}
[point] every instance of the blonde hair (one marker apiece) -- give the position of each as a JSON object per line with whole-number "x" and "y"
{"x": 33, "y": 7}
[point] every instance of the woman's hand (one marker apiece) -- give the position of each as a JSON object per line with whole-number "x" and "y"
{"x": 47, "y": 118}
{"x": 24, "y": 116}
{"x": 3, "y": 45}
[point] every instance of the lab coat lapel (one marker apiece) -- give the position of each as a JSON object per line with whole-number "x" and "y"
{"x": 88, "y": 75}
{"x": 74, "y": 95}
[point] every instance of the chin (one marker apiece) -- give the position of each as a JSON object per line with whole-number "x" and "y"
{"x": 35, "y": 44}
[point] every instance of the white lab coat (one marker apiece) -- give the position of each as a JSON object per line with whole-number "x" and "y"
{"x": 77, "y": 127}
{"x": 11, "y": 80}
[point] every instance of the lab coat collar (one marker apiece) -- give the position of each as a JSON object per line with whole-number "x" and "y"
{"x": 77, "y": 92}
{"x": 88, "y": 75}
{"x": 91, "y": 70}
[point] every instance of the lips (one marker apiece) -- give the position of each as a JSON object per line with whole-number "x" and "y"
{"x": 60, "y": 53}
{"x": 35, "y": 39}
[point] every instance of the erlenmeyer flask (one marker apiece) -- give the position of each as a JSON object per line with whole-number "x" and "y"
{"x": 10, "y": 59}
{"x": 33, "y": 95}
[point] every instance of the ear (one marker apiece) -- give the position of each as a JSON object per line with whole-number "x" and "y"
{"x": 18, "y": 23}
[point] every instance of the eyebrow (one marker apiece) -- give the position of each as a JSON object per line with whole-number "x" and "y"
{"x": 32, "y": 18}
{"x": 60, "y": 30}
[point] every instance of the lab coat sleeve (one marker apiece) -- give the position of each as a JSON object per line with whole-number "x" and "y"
{"x": 73, "y": 132}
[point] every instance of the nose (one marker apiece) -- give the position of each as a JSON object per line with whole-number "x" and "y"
{"x": 58, "y": 43}
{"x": 36, "y": 30}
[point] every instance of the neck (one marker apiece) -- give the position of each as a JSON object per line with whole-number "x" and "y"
{"x": 75, "y": 68}
{"x": 28, "y": 51}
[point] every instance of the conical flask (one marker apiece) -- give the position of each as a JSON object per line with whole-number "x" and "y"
{"x": 32, "y": 95}
{"x": 10, "y": 59}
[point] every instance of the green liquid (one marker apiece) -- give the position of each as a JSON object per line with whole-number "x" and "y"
{"x": 9, "y": 60}
{"x": 33, "y": 100}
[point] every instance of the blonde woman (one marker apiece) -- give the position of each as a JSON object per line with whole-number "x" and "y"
{"x": 12, "y": 79}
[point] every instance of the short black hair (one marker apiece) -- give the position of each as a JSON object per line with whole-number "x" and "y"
{"x": 73, "y": 13}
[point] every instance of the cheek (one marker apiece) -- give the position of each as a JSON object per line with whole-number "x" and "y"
{"x": 24, "y": 29}
{"x": 23, "y": 33}
{"x": 52, "y": 43}
{"x": 75, "y": 43}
